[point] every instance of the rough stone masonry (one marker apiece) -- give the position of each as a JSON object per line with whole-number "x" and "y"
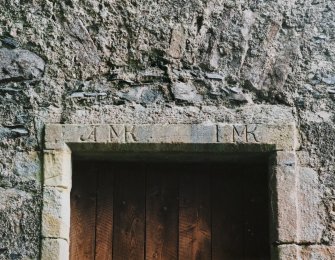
{"x": 165, "y": 62}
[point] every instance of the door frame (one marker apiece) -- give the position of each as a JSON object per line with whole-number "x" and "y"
{"x": 62, "y": 141}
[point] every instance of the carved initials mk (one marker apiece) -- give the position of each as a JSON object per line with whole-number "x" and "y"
{"x": 122, "y": 133}
{"x": 129, "y": 134}
{"x": 244, "y": 133}
{"x": 117, "y": 133}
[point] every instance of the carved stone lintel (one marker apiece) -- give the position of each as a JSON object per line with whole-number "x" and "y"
{"x": 282, "y": 136}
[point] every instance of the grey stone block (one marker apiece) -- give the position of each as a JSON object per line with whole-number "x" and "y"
{"x": 284, "y": 201}
{"x": 54, "y": 249}
{"x": 19, "y": 65}
{"x": 56, "y": 213}
{"x": 57, "y": 169}
{"x": 311, "y": 208}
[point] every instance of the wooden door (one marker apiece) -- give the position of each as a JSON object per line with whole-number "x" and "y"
{"x": 135, "y": 211}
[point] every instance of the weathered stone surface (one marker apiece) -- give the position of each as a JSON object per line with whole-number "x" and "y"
{"x": 10, "y": 42}
{"x": 173, "y": 134}
{"x": 296, "y": 252}
{"x": 53, "y": 137}
{"x": 286, "y": 252}
{"x": 18, "y": 223}
{"x": 143, "y": 95}
{"x": 214, "y": 76}
{"x": 186, "y": 92}
{"x": 284, "y": 206}
{"x": 57, "y": 169}
{"x": 178, "y": 42}
{"x": 18, "y": 65}
{"x": 317, "y": 252}
{"x": 13, "y": 132}
{"x": 55, "y": 249}
{"x": 311, "y": 208}
{"x": 192, "y": 114}
{"x": 28, "y": 167}
{"x": 56, "y": 213}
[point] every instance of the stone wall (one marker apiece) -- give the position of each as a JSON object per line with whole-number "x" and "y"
{"x": 176, "y": 61}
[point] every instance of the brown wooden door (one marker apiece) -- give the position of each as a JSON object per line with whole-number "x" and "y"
{"x": 135, "y": 211}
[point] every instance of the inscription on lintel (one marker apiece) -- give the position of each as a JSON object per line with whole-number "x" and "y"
{"x": 282, "y": 135}
{"x": 109, "y": 134}
{"x": 238, "y": 133}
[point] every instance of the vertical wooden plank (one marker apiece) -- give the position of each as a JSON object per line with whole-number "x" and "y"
{"x": 228, "y": 213}
{"x": 104, "y": 226}
{"x": 83, "y": 212}
{"x": 129, "y": 212}
{"x": 194, "y": 213}
{"x": 256, "y": 228}
{"x": 161, "y": 213}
